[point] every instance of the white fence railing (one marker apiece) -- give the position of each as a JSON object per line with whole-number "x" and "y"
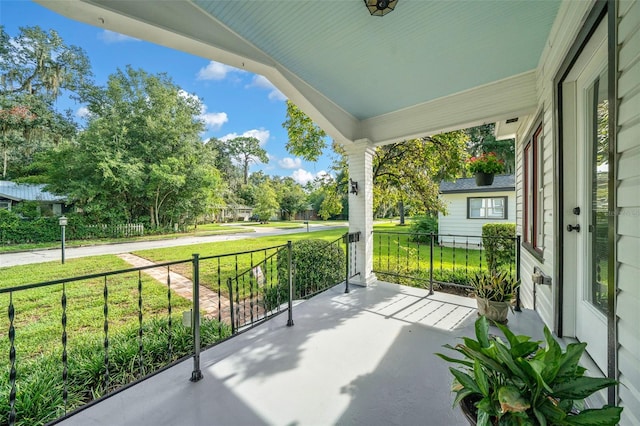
{"x": 121, "y": 230}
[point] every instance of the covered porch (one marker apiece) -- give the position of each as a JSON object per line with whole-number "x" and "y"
{"x": 364, "y": 357}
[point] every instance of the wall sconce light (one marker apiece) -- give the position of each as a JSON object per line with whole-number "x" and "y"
{"x": 380, "y": 7}
{"x": 354, "y": 187}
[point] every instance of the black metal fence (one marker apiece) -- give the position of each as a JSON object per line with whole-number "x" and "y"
{"x": 142, "y": 320}
{"x": 442, "y": 260}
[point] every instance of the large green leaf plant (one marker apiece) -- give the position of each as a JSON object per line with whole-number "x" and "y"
{"x": 521, "y": 382}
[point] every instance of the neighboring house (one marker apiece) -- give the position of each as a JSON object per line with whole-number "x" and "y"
{"x": 11, "y": 194}
{"x": 236, "y": 212}
{"x": 470, "y": 206}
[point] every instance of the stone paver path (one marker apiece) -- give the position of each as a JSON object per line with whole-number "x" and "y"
{"x": 182, "y": 286}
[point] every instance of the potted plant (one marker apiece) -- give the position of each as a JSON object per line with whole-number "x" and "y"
{"x": 494, "y": 292}
{"x": 484, "y": 167}
{"x": 521, "y": 382}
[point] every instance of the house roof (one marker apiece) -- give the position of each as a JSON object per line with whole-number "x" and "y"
{"x": 427, "y": 67}
{"x": 501, "y": 183}
{"x": 27, "y": 192}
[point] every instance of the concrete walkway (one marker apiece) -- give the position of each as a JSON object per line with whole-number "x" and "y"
{"x": 182, "y": 286}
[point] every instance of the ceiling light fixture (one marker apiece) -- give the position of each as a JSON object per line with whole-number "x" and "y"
{"x": 380, "y": 7}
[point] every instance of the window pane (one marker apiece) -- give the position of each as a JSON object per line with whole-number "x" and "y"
{"x": 475, "y": 208}
{"x": 600, "y": 195}
{"x": 497, "y": 208}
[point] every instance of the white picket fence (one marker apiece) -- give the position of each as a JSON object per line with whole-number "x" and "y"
{"x": 121, "y": 230}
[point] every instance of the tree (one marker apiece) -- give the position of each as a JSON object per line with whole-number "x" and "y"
{"x": 36, "y": 67}
{"x": 37, "y": 61}
{"x": 266, "y": 202}
{"x": 306, "y": 139}
{"x": 291, "y": 197}
{"x": 246, "y": 150}
{"x": 412, "y": 170}
{"x": 140, "y": 157}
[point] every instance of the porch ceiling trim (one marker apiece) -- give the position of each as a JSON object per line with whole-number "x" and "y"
{"x": 501, "y": 100}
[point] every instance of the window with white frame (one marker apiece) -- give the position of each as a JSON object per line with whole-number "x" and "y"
{"x": 487, "y": 207}
{"x": 5, "y": 205}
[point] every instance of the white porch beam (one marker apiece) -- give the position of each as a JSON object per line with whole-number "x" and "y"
{"x": 500, "y": 100}
{"x": 361, "y": 206}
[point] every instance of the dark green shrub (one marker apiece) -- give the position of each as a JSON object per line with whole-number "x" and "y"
{"x": 317, "y": 265}
{"x": 498, "y": 240}
{"x": 422, "y": 227}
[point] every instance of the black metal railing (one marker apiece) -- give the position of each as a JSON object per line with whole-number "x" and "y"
{"x": 143, "y": 320}
{"x": 442, "y": 260}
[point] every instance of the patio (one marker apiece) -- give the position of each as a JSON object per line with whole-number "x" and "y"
{"x": 360, "y": 358}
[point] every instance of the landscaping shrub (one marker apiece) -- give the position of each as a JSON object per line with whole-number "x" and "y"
{"x": 499, "y": 244}
{"x": 317, "y": 265}
{"x": 422, "y": 227}
{"x": 39, "y": 381}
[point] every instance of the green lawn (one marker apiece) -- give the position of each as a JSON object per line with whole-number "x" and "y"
{"x": 38, "y": 312}
{"x": 215, "y": 272}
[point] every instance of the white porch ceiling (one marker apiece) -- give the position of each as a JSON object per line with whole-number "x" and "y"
{"x": 428, "y": 66}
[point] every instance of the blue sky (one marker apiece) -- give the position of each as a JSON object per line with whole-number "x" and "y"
{"x": 236, "y": 102}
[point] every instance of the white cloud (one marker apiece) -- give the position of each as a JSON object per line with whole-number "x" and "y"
{"x": 110, "y": 37}
{"x": 214, "y": 120}
{"x": 303, "y": 177}
{"x": 261, "y": 134}
{"x": 290, "y": 163}
{"x": 262, "y": 82}
{"x": 82, "y": 112}
{"x": 216, "y": 71}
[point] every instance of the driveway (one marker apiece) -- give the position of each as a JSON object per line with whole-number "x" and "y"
{"x": 40, "y": 256}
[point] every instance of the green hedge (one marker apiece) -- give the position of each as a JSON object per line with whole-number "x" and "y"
{"x": 317, "y": 265}
{"x": 498, "y": 240}
{"x": 422, "y": 227}
{"x": 15, "y": 229}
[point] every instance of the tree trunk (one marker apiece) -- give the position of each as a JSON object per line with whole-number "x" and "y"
{"x": 401, "y": 208}
{"x": 4, "y": 165}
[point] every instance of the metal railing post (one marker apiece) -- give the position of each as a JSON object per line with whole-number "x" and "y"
{"x": 231, "y": 307}
{"x": 431, "y": 264}
{"x": 348, "y": 255}
{"x": 518, "y": 308}
{"x": 290, "y": 277}
{"x": 196, "y": 374}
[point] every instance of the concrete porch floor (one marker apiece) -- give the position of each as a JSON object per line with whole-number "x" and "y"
{"x": 363, "y": 358}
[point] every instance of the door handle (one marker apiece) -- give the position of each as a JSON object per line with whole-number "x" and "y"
{"x": 573, "y": 228}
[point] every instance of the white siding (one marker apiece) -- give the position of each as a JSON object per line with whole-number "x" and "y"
{"x": 628, "y": 203}
{"x": 455, "y": 222}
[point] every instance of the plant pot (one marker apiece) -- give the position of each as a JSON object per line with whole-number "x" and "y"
{"x": 495, "y": 311}
{"x": 469, "y": 410}
{"x": 484, "y": 179}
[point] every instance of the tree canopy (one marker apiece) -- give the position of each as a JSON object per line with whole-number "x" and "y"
{"x": 36, "y": 67}
{"x": 140, "y": 157}
{"x": 306, "y": 139}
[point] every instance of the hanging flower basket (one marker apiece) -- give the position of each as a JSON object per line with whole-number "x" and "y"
{"x": 484, "y": 167}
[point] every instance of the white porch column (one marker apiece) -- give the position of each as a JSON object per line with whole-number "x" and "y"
{"x": 361, "y": 207}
